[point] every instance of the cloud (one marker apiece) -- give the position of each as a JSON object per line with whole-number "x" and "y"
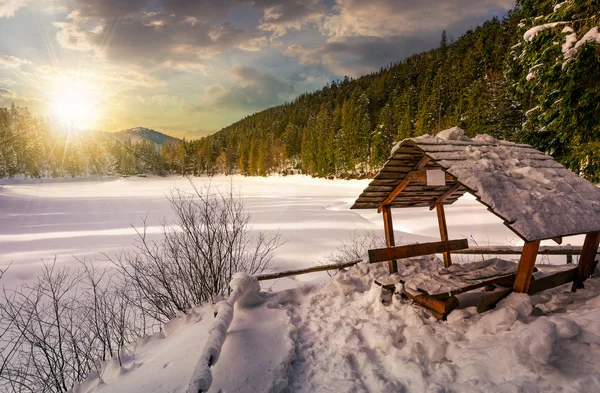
{"x": 281, "y": 16}
{"x": 7, "y": 61}
{"x": 356, "y": 36}
{"x": 7, "y": 82}
{"x": 384, "y": 18}
{"x": 8, "y": 8}
{"x": 254, "y": 90}
{"x": 6, "y": 93}
{"x": 116, "y": 79}
{"x": 179, "y": 34}
{"x": 363, "y": 35}
{"x": 162, "y": 100}
{"x": 355, "y": 56}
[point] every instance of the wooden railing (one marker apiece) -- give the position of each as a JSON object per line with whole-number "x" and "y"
{"x": 568, "y": 251}
{"x": 318, "y": 268}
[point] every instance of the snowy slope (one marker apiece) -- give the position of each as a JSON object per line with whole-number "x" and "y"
{"x": 338, "y": 336}
{"x": 159, "y": 363}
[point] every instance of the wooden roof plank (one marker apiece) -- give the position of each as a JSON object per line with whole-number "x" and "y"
{"x": 420, "y": 165}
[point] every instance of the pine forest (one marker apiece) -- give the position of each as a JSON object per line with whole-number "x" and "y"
{"x": 532, "y": 76}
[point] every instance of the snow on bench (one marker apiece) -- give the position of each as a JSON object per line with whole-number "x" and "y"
{"x": 459, "y": 278}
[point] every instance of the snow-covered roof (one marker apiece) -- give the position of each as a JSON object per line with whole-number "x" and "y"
{"x": 537, "y": 197}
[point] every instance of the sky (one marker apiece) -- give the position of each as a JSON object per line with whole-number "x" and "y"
{"x": 188, "y": 68}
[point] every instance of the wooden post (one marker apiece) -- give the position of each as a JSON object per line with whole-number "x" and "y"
{"x": 389, "y": 235}
{"x": 443, "y": 231}
{"x": 588, "y": 254}
{"x": 526, "y": 264}
{"x": 569, "y": 258}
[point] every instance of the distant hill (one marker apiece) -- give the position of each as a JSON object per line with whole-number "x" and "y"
{"x": 139, "y": 133}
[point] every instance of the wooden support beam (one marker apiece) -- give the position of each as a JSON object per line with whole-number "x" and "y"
{"x": 415, "y": 250}
{"x": 388, "y": 227}
{"x": 445, "y": 196}
{"x": 526, "y": 265}
{"x": 409, "y": 177}
{"x": 510, "y": 250}
{"x": 552, "y": 281}
{"x": 391, "y": 180}
{"x": 588, "y": 255}
{"x": 443, "y": 232}
{"x": 401, "y": 186}
{"x": 440, "y": 308}
{"x": 421, "y": 164}
{"x": 489, "y": 300}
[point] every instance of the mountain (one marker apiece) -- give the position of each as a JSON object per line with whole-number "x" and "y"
{"x": 347, "y": 128}
{"x": 529, "y": 77}
{"x": 140, "y": 133}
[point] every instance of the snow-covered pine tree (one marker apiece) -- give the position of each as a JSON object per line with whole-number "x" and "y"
{"x": 556, "y": 68}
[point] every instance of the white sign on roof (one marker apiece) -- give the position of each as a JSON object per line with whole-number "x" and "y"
{"x": 436, "y": 177}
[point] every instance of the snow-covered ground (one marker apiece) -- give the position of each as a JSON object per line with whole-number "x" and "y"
{"x": 84, "y": 218}
{"x": 338, "y": 336}
{"x": 315, "y": 334}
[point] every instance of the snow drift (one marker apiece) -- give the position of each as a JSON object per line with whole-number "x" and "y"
{"x": 346, "y": 335}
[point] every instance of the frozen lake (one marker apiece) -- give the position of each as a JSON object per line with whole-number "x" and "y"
{"x": 43, "y": 219}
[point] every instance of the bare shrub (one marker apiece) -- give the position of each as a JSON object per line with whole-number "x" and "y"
{"x": 356, "y": 247}
{"x": 209, "y": 241}
{"x": 61, "y": 326}
{"x": 9, "y": 341}
{"x": 57, "y": 330}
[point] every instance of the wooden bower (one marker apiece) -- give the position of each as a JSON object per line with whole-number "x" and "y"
{"x": 403, "y": 182}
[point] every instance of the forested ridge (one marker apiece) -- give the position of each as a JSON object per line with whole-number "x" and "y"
{"x": 543, "y": 91}
{"x": 348, "y": 127}
{"x": 532, "y": 76}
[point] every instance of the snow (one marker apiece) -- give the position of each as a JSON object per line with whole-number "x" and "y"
{"x": 537, "y": 197}
{"x": 531, "y": 110}
{"x": 534, "y": 31}
{"x": 532, "y": 74}
{"x": 558, "y": 5}
{"x": 453, "y": 134}
{"x": 570, "y": 40}
{"x": 593, "y": 35}
{"x": 456, "y": 276}
{"x": 317, "y": 334}
{"x": 146, "y": 367}
{"x": 244, "y": 291}
{"x": 339, "y": 336}
{"x": 85, "y": 218}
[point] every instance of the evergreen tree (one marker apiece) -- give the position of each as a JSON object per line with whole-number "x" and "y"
{"x": 556, "y": 68}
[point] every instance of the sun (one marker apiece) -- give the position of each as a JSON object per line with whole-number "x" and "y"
{"x": 75, "y": 107}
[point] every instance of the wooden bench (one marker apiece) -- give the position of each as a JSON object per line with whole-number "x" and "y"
{"x": 437, "y": 290}
{"x": 439, "y": 307}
